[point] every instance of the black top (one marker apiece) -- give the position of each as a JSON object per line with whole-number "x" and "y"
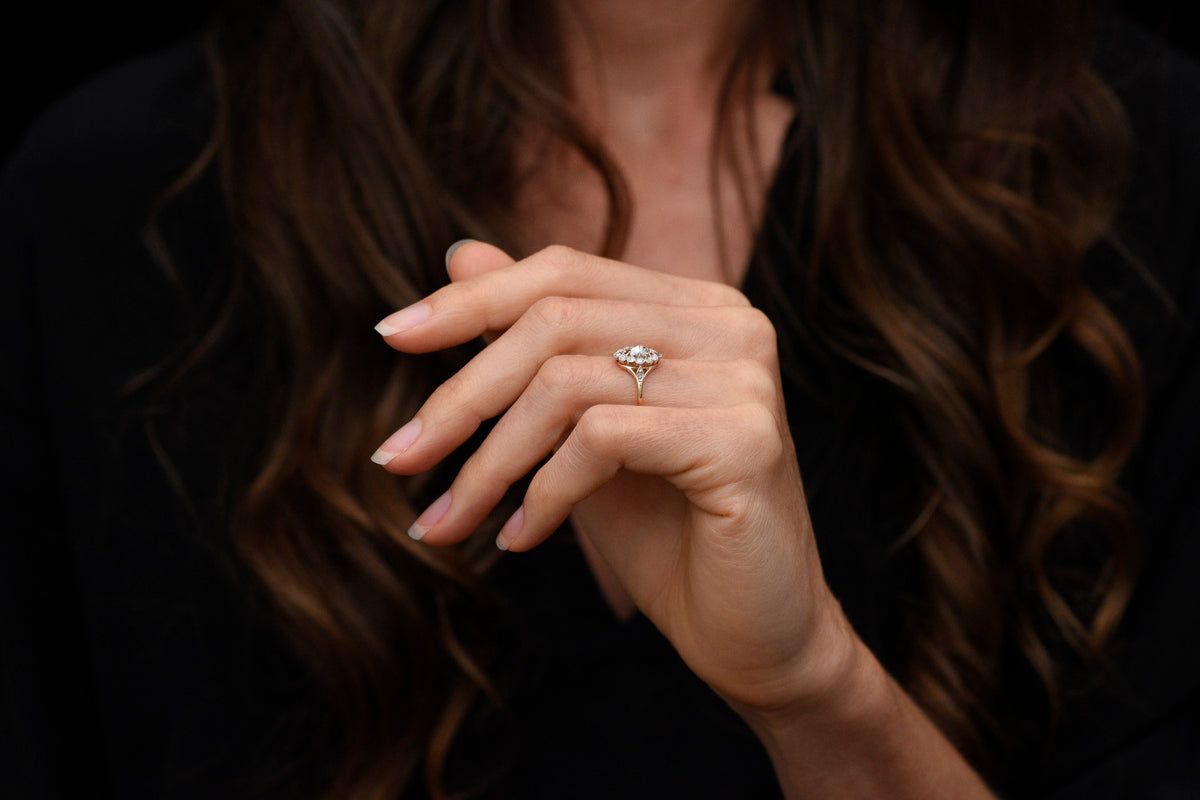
{"x": 134, "y": 665}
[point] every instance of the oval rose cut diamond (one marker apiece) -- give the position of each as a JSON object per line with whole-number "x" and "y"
{"x": 637, "y": 355}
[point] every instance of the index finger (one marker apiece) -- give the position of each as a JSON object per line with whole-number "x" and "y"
{"x": 494, "y": 300}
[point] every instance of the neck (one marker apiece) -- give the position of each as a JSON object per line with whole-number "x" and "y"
{"x": 621, "y": 52}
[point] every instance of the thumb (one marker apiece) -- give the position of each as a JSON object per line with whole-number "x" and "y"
{"x": 468, "y": 258}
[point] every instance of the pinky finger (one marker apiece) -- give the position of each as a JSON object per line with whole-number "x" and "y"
{"x": 694, "y": 449}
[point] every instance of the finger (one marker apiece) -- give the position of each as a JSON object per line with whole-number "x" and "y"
{"x": 564, "y": 388}
{"x": 493, "y": 300}
{"x": 495, "y": 378}
{"x": 468, "y": 259}
{"x": 705, "y": 453}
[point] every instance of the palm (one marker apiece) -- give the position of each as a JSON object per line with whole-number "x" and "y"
{"x": 669, "y": 549}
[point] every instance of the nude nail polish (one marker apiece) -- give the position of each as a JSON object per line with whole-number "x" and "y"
{"x": 398, "y": 442}
{"x": 511, "y": 528}
{"x": 404, "y": 319}
{"x": 430, "y": 517}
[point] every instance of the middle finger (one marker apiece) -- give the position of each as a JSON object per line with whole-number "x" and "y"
{"x": 493, "y": 380}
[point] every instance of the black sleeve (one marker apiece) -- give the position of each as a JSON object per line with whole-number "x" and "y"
{"x": 50, "y": 745}
{"x": 98, "y": 567}
{"x": 136, "y": 662}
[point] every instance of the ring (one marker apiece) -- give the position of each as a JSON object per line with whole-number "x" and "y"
{"x": 639, "y": 361}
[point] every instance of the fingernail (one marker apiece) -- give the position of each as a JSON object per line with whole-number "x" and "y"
{"x": 430, "y": 517}
{"x": 398, "y": 442}
{"x": 450, "y": 250}
{"x": 511, "y": 529}
{"x": 404, "y": 319}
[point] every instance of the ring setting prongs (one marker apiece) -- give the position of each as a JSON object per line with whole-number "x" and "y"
{"x": 639, "y": 360}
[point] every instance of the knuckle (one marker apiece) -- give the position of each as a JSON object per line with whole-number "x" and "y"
{"x": 598, "y": 426}
{"x": 759, "y": 428}
{"x": 725, "y": 295}
{"x": 550, "y": 265}
{"x": 478, "y": 477}
{"x": 454, "y": 397}
{"x": 759, "y": 326}
{"x": 540, "y": 491}
{"x": 447, "y": 392}
{"x": 760, "y": 335}
{"x": 553, "y": 312}
{"x": 757, "y": 381}
{"x": 467, "y": 293}
{"x": 559, "y": 256}
{"x": 561, "y": 375}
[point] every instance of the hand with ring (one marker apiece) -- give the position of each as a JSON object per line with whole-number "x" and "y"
{"x": 694, "y": 499}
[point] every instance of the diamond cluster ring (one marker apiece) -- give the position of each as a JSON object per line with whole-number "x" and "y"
{"x": 639, "y": 360}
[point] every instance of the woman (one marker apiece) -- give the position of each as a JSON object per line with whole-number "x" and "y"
{"x": 890, "y": 248}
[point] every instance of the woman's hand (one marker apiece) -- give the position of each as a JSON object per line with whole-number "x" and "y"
{"x": 693, "y": 499}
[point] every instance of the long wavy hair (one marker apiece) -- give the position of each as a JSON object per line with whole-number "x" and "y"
{"x": 964, "y": 159}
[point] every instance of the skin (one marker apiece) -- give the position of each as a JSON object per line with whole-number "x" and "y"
{"x": 691, "y": 507}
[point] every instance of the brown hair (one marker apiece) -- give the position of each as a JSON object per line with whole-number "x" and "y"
{"x": 964, "y": 165}
{"x": 969, "y": 160}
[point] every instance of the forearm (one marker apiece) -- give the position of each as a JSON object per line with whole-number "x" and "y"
{"x": 867, "y": 740}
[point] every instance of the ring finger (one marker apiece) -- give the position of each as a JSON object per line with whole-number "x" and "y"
{"x": 548, "y": 409}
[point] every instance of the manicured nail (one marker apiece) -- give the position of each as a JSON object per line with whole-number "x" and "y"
{"x": 404, "y": 319}
{"x": 511, "y": 529}
{"x": 430, "y": 517}
{"x": 398, "y": 442}
{"x": 450, "y": 250}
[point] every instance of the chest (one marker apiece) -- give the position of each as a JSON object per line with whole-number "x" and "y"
{"x": 693, "y": 204}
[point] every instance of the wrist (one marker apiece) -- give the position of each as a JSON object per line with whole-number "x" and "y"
{"x": 851, "y": 701}
{"x": 837, "y": 678}
{"x": 847, "y": 729}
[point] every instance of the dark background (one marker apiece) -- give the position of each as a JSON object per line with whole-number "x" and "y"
{"x": 56, "y": 46}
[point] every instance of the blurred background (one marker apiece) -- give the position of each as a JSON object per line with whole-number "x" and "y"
{"x": 52, "y": 47}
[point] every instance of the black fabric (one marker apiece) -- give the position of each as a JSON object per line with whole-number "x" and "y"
{"x": 136, "y": 663}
